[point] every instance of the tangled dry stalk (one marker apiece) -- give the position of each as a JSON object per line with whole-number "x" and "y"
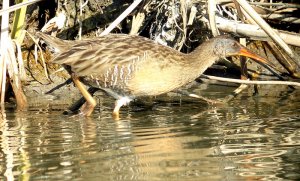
{"x": 173, "y": 23}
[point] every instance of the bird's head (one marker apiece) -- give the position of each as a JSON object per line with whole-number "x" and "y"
{"x": 225, "y": 46}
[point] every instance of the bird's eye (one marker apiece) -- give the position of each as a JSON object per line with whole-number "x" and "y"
{"x": 235, "y": 45}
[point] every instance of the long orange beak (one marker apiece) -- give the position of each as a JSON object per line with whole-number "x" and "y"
{"x": 247, "y": 53}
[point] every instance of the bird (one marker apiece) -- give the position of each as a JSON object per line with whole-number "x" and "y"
{"x": 129, "y": 67}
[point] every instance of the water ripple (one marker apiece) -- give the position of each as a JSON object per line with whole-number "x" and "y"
{"x": 250, "y": 139}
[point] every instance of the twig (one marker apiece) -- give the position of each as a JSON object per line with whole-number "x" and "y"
{"x": 9, "y": 62}
{"x": 282, "y": 58}
{"x": 137, "y": 22}
{"x": 244, "y": 76}
{"x": 229, "y": 13}
{"x": 18, "y": 23}
{"x": 17, "y": 6}
{"x": 212, "y": 20}
{"x": 138, "y": 19}
{"x": 236, "y": 92}
{"x": 254, "y": 31}
{"x": 183, "y": 10}
{"x": 260, "y": 82}
{"x": 192, "y": 15}
{"x": 209, "y": 101}
{"x": 282, "y": 17}
{"x": 80, "y": 18}
{"x": 54, "y": 24}
{"x": 266, "y": 27}
{"x": 3, "y": 77}
{"x": 239, "y": 11}
{"x": 21, "y": 66}
{"x": 121, "y": 17}
{"x": 42, "y": 57}
{"x": 285, "y": 5}
{"x": 3, "y": 49}
{"x": 13, "y": 72}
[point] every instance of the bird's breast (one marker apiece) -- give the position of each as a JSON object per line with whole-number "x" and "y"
{"x": 139, "y": 79}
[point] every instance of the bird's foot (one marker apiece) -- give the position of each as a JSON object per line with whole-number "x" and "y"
{"x": 208, "y": 101}
{"x": 70, "y": 112}
{"x": 87, "y": 108}
{"x": 123, "y": 101}
{"x": 116, "y": 116}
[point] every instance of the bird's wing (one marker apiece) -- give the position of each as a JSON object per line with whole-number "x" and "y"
{"x": 97, "y": 56}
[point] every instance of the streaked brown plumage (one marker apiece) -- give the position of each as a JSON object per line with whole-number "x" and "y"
{"x": 128, "y": 66}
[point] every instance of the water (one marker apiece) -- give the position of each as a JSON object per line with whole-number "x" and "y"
{"x": 252, "y": 138}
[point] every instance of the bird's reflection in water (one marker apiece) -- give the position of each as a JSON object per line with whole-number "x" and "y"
{"x": 157, "y": 144}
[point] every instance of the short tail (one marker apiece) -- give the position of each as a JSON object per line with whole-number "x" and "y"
{"x": 57, "y": 44}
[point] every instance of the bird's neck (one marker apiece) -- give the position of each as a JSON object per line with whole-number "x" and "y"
{"x": 202, "y": 57}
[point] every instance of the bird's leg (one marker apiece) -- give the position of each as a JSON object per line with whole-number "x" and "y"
{"x": 244, "y": 76}
{"x": 80, "y": 103}
{"x": 118, "y": 104}
{"x": 209, "y": 101}
{"x": 67, "y": 82}
{"x": 235, "y": 93}
{"x": 88, "y": 107}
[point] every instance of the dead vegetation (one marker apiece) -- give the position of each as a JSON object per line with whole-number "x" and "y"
{"x": 268, "y": 27}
